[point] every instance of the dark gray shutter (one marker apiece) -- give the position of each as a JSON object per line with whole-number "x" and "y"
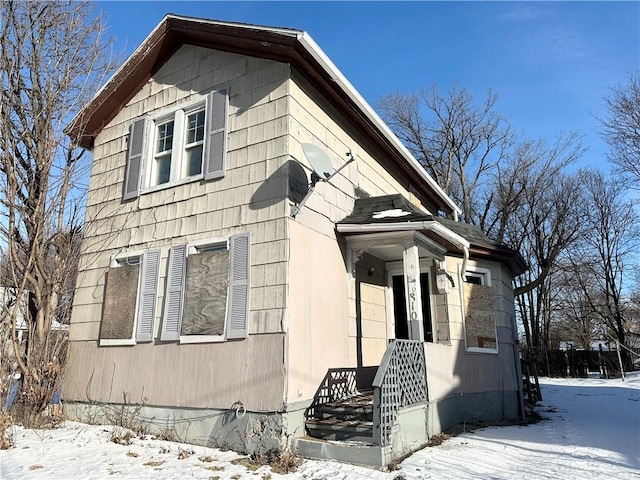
{"x": 239, "y": 286}
{"x": 174, "y": 296}
{"x": 148, "y": 295}
{"x": 135, "y": 157}
{"x": 215, "y": 150}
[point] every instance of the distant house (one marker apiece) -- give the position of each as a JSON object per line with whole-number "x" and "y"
{"x": 230, "y": 294}
{"x": 7, "y": 304}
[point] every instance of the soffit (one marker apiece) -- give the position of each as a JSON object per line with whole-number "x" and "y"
{"x": 394, "y": 213}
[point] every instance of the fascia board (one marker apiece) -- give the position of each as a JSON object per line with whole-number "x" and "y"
{"x": 432, "y": 226}
{"x": 312, "y": 47}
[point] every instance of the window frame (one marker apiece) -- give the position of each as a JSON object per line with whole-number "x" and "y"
{"x": 197, "y": 143}
{"x": 117, "y": 261}
{"x": 481, "y": 273}
{"x": 155, "y": 156}
{"x": 484, "y": 275}
{"x": 178, "y": 157}
{"x": 238, "y": 296}
{"x": 141, "y": 159}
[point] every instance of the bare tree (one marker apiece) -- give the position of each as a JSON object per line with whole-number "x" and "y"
{"x": 458, "y": 140}
{"x": 621, "y": 129}
{"x": 573, "y": 315}
{"x": 517, "y": 192}
{"x": 604, "y": 259}
{"x": 52, "y": 57}
{"x": 547, "y": 226}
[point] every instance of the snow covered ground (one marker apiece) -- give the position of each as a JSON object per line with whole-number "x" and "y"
{"x": 591, "y": 431}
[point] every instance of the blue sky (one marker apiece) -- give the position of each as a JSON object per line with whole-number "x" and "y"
{"x": 550, "y": 62}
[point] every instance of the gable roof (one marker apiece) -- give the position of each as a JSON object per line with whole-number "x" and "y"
{"x": 281, "y": 44}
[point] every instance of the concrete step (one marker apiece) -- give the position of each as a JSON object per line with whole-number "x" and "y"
{"x": 358, "y": 453}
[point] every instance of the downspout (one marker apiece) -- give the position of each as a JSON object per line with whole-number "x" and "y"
{"x": 465, "y": 260}
{"x": 454, "y": 238}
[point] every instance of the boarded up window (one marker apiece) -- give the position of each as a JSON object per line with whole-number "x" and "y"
{"x": 206, "y": 288}
{"x": 121, "y": 290}
{"x": 480, "y": 324}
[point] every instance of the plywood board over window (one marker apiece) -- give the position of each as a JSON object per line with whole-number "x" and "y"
{"x": 480, "y": 322}
{"x": 121, "y": 290}
{"x": 207, "y": 284}
{"x": 208, "y": 291}
{"x": 130, "y": 299}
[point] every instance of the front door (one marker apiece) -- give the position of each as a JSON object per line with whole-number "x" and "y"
{"x": 400, "y": 309}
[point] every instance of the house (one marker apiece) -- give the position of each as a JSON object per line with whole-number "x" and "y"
{"x": 231, "y": 294}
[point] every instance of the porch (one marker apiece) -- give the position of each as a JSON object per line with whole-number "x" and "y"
{"x": 352, "y": 423}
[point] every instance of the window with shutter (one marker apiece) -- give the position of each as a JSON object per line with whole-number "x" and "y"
{"x": 208, "y": 288}
{"x": 178, "y": 146}
{"x": 130, "y": 299}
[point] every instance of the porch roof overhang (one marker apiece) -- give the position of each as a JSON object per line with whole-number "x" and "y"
{"x": 427, "y": 230}
{"x": 389, "y": 246}
{"x": 394, "y": 213}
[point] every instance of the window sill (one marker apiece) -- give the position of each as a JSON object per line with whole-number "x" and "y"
{"x": 187, "y": 339}
{"x": 174, "y": 183}
{"x": 491, "y": 351}
{"x": 107, "y": 342}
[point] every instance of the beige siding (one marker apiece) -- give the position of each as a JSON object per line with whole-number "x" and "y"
{"x": 257, "y": 148}
{"x": 195, "y": 376}
{"x": 317, "y": 318}
{"x": 372, "y": 292}
{"x": 314, "y": 120}
{"x": 451, "y": 369}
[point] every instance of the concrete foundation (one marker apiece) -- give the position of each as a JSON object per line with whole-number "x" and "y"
{"x": 241, "y": 431}
{"x": 472, "y": 408}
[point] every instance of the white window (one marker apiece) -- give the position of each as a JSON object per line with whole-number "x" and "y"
{"x": 207, "y": 296}
{"x": 178, "y": 146}
{"x": 185, "y": 144}
{"x": 194, "y": 143}
{"x": 130, "y": 298}
{"x": 161, "y": 165}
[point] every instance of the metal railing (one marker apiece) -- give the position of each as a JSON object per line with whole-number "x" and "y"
{"x": 401, "y": 381}
{"x": 337, "y": 384}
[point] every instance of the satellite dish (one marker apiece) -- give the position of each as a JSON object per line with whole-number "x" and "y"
{"x": 319, "y": 160}
{"x": 322, "y": 170}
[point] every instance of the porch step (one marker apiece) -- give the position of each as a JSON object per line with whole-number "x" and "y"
{"x": 347, "y": 419}
{"x": 349, "y": 452}
{"x": 358, "y": 408}
{"x": 336, "y": 429}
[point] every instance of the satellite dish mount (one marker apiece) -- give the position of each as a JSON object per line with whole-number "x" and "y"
{"x": 322, "y": 170}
